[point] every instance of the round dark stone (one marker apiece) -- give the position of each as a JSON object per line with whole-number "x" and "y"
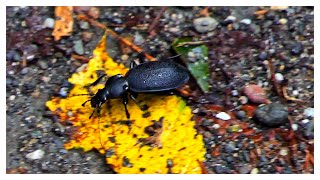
{"x": 229, "y": 148}
{"x": 245, "y": 169}
{"x": 263, "y": 55}
{"x": 219, "y": 169}
{"x": 241, "y": 114}
{"x": 297, "y": 49}
{"x": 308, "y": 131}
{"x": 274, "y": 114}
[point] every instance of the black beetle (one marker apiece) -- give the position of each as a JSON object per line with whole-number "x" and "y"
{"x": 154, "y": 76}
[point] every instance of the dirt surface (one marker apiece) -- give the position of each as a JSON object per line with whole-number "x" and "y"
{"x": 272, "y": 49}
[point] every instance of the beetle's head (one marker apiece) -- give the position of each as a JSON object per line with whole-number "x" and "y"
{"x": 99, "y": 98}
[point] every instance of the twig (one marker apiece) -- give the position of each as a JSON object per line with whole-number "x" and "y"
{"x": 157, "y": 19}
{"x": 191, "y": 43}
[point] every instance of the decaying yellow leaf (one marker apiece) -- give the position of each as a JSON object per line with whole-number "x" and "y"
{"x": 177, "y": 147}
{"x": 63, "y": 22}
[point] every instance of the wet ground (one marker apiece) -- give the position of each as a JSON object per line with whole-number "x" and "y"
{"x": 242, "y": 42}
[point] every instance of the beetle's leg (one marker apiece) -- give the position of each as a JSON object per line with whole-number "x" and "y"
{"x": 96, "y": 82}
{"x": 133, "y": 96}
{"x": 133, "y": 64}
{"x": 125, "y": 102}
{"x": 92, "y": 113}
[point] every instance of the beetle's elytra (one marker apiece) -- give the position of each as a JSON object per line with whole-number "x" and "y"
{"x": 156, "y": 76}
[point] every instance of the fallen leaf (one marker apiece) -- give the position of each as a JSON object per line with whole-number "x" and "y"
{"x": 63, "y": 22}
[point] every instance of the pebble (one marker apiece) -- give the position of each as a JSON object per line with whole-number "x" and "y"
{"x": 246, "y": 21}
{"x": 30, "y": 51}
{"x": 246, "y": 156}
{"x": 305, "y": 121}
{"x": 241, "y": 114}
{"x": 78, "y": 47}
{"x": 94, "y": 12}
{"x": 124, "y": 57}
{"x": 279, "y": 77}
{"x": 86, "y": 36}
{"x": 219, "y": 169}
{"x": 24, "y": 71}
{"x": 43, "y": 64}
{"x": 283, "y": 152}
{"x": 309, "y": 112}
{"x": 63, "y": 92}
{"x": 243, "y": 99}
{"x": 295, "y": 92}
{"x": 38, "y": 154}
{"x": 273, "y": 114}
{"x": 254, "y": 171}
{"x": 294, "y": 127}
{"x": 283, "y": 21}
{"x": 234, "y": 128}
{"x": 223, "y": 116}
{"x": 297, "y": 49}
{"x": 309, "y": 130}
{"x": 205, "y": 24}
{"x": 245, "y": 169}
{"x": 263, "y": 55}
{"x": 174, "y": 29}
{"x": 12, "y": 97}
{"x": 84, "y": 25}
{"x": 230, "y": 147}
{"x": 231, "y": 18}
{"x": 234, "y": 93}
{"x": 48, "y": 23}
{"x": 138, "y": 39}
{"x": 255, "y": 94}
{"x": 216, "y": 126}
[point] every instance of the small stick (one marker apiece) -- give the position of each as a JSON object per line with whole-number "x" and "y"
{"x": 157, "y": 19}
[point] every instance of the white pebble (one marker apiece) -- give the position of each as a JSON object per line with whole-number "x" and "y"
{"x": 12, "y": 97}
{"x": 254, "y": 171}
{"x": 283, "y": 152}
{"x": 279, "y": 77}
{"x": 294, "y": 127}
{"x": 283, "y": 21}
{"x": 309, "y": 112}
{"x": 295, "y": 92}
{"x": 234, "y": 93}
{"x": 305, "y": 121}
{"x": 230, "y": 18}
{"x": 246, "y": 21}
{"x": 38, "y": 154}
{"x": 48, "y": 23}
{"x": 223, "y": 116}
{"x": 216, "y": 126}
{"x": 195, "y": 111}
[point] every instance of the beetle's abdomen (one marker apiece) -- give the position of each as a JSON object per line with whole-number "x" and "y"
{"x": 157, "y": 76}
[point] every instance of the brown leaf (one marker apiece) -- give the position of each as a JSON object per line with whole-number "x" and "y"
{"x": 63, "y": 23}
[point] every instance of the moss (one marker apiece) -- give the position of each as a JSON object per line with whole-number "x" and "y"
{"x": 177, "y": 138}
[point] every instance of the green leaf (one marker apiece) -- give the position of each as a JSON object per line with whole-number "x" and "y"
{"x": 197, "y": 63}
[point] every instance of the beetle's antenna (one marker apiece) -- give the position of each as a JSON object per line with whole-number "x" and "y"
{"x": 85, "y": 103}
{"x": 96, "y": 82}
{"x": 172, "y": 57}
{"x": 81, "y": 95}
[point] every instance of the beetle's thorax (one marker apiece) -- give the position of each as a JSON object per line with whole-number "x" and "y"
{"x": 116, "y": 86}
